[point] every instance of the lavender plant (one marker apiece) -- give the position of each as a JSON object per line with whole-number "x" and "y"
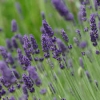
{"x": 66, "y": 64}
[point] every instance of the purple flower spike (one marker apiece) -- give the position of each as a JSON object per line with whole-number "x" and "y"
{"x": 24, "y": 88}
{"x": 7, "y": 74}
{"x": 14, "y": 26}
{"x": 9, "y": 44}
{"x": 83, "y": 12}
{"x": 61, "y": 45}
{"x": 14, "y": 42}
{"x": 27, "y": 81}
{"x": 62, "y": 9}
{"x": 27, "y": 43}
{"x": 33, "y": 42}
{"x": 88, "y": 75}
{"x": 64, "y": 36}
{"x": 32, "y": 73}
{"x": 47, "y": 28}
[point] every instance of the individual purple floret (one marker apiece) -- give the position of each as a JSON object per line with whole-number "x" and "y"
{"x": 64, "y": 36}
{"x": 43, "y": 91}
{"x": 14, "y": 26}
{"x": 47, "y": 28}
{"x": 62, "y": 9}
{"x": 38, "y": 82}
{"x": 43, "y": 15}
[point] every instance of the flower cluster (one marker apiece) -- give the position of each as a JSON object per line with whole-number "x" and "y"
{"x": 64, "y": 67}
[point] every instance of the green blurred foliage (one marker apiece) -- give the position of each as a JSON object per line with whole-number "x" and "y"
{"x": 25, "y": 12}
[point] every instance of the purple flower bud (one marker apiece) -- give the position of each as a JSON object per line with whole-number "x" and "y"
{"x": 83, "y": 44}
{"x": 97, "y": 52}
{"x": 11, "y": 89}
{"x": 88, "y": 75}
{"x": 14, "y": 26}
{"x": 96, "y": 83}
{"x": 43, "y": 91}
{"x": 43, "y": 15}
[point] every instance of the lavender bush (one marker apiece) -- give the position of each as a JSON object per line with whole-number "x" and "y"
{"x": 66, "y": 64}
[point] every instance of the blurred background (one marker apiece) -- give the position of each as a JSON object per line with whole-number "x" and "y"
{"x": 27, "y": 14}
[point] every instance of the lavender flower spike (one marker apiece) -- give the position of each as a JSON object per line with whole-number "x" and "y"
{"x": 7, "y": 74}
{"x": 47, "y": 28}
{"x": 14, "y": 26}
{"x": 62, "y": 9}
